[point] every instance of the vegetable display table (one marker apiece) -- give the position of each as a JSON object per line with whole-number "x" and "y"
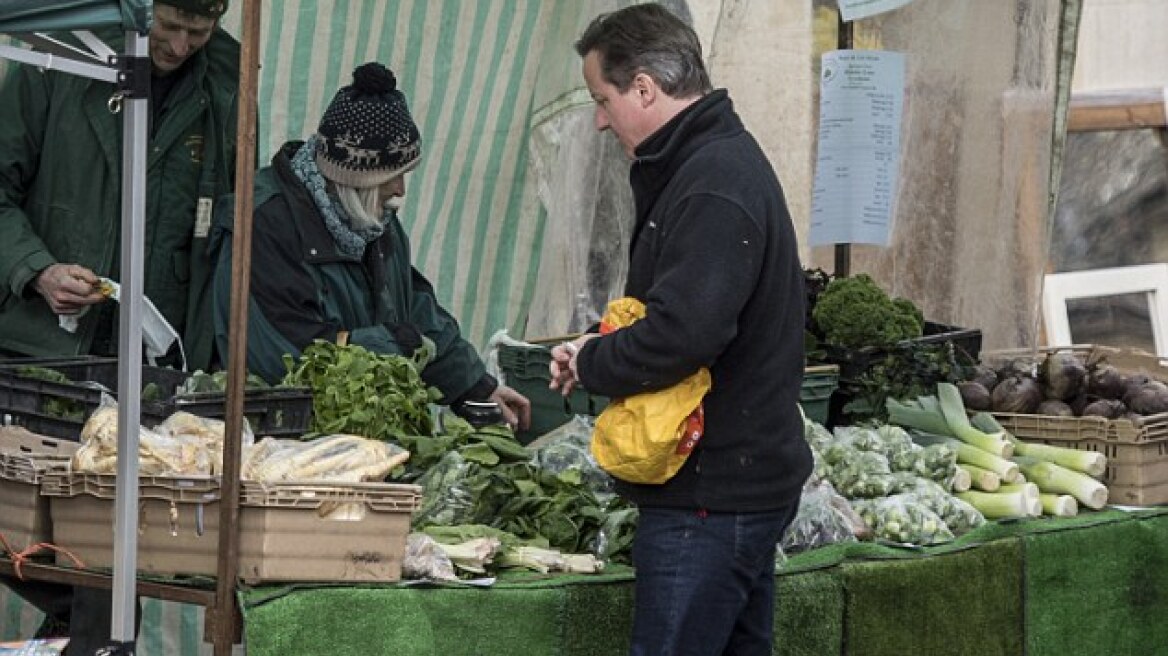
{"x": 1096, "y": 584}
{"x": 1093, "y": 584}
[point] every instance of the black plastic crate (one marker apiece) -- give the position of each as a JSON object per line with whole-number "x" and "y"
{"x": 853, "y": 362}
{"x": 525, "y": 369}
{"x": 285, "y": 411}
{"x": 90, "y": 377}
{"x": 276, "y": 411}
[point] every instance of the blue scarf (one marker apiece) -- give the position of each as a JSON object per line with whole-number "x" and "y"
{"x": 350, "y": 241}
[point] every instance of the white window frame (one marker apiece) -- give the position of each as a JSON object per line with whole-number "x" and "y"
{"x": 1148, "y": 279}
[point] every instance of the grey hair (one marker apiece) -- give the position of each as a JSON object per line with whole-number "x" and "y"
{"x": 647, "y": 39}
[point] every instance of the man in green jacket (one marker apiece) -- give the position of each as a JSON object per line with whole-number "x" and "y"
{"x": 329, "y": 256}
{"x": 60, "y": 219}
{"x": 60, "y": 189}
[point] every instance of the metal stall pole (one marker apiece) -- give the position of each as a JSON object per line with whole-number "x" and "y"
{"x": 843, "y": 252}
{"x": 225, "y": 615}
{"x": 133, "y": 84}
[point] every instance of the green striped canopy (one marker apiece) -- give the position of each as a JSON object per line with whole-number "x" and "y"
{"x": 61, "y": 15}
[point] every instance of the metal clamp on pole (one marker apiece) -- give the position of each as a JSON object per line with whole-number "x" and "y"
{"x": 133, "y": 78}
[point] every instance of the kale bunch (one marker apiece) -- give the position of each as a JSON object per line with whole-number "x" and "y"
{"x": 855, "y": 312}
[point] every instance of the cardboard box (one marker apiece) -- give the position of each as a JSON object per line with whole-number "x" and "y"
{"x": 24, "y": 458}
{"x": 287, "y": 531}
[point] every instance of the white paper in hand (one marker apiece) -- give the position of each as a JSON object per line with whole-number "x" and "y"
{"x": 157, "y": 333}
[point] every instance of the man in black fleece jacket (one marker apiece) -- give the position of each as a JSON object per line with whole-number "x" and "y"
{"x": 714, "y": 259}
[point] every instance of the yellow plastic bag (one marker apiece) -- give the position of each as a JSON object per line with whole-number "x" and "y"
{"x": 646, "y": 438}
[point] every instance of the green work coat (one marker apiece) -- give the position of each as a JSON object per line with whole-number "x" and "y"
{"x": 61, "y": 193}
{"x": 303, "y": 289}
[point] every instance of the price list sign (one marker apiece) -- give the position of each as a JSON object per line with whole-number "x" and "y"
{"x": 861, "y": 100}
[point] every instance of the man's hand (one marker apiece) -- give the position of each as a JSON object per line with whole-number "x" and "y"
{"x": 563, "y": 364}
{"x": 515, "y": 407}
{"x": 68, "y": 288}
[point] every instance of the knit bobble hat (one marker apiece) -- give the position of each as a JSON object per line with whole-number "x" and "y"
{"x": 366, "y": 136}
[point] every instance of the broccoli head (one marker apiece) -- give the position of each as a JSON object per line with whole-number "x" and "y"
{"x": 854, "y": 312}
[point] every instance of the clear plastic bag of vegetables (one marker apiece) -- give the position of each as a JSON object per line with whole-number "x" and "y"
{"x": 614, "y": 540}
{"x": 824, "y": 517}
{"x": 860, "y": 473}
{"x": 568, "y": 448}
{"x": 886, "y": 440}
{"x": 816, "y": 434}
{"x": 903, "y": 519}
{"x": 447, "y": 496}
{"x": 333, "y": 458}
{"x": 936, "y": 462}
{"x": 958, "y": 515}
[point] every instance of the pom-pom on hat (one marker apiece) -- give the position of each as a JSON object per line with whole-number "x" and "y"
{"x": 366, "y": 136}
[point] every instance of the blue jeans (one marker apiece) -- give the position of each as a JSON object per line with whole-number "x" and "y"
{"x": 705, "y": 582}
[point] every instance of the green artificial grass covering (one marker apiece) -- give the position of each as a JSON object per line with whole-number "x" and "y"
{"x": 1099, "y": 592}
{"x": 1091, "y": 585}
{"x": 406, "y": 622}
{"x": 959, "y": 603}
{"x": 809, "y": 619}
{"x": 596, "y": 619}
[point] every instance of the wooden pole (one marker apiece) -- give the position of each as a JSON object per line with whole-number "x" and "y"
{"x": 843, "y": 252}
{"x": 224, "y": 618}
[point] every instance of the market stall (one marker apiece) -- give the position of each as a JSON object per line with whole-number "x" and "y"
{"x": 832, "y": 599}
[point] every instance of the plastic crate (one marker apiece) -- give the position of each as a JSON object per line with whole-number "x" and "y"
{"x": 853, "y": 362}
{"x": 24, "y": 458}
{"x": 287, "y": 531}
{"x": 277, "y": 411}
{"x": 819, "y": 383}
{"x": 525, "y": 369}
{"x": 1137, "y": 451}
{"x": 29, "y": 402}
{"x": 270, "y": 411}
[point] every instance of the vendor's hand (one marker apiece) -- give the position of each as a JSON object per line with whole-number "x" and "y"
{"x": 68, "y": 288}
{"x": 563, "y": 364}
{"x": 515, "y": 407}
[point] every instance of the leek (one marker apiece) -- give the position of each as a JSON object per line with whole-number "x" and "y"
{"x": 987, "y": 422}
{"x": 538, "y": 559}
{"x": 1057, "y": 479}
{"x": 472, "y": 555}
{"x": 999, "y": 505}
{"x": 1091, "y": 463}
{"x": 1028, "y": 490}
{"x": 981, "y": 478}
{"x": 912, "y": 414}
{"x": 960, "y": 481}
{"x": 944, "y": 414}
{"x": 1059, "y": 505}
{"x": 953, "y": 409}
{"x": 582, "y": 563}
{"x": 971, "y": 455}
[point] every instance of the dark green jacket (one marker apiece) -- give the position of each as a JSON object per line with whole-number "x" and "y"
{"x": 61, "y": 189}
{"x": 303, "y": 289}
